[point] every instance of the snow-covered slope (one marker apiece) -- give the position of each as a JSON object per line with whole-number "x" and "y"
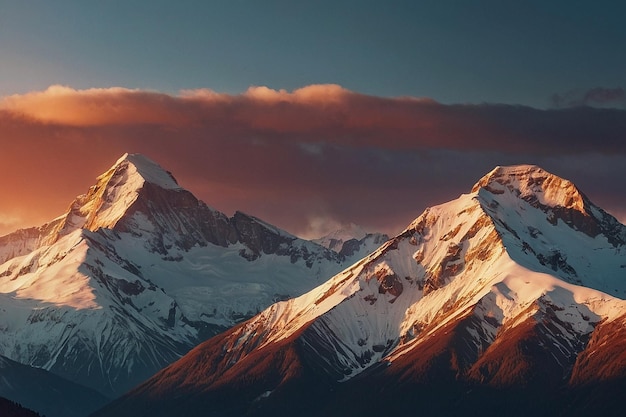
{"x": 136, "y": 273}
{"x": 503, "y": 287}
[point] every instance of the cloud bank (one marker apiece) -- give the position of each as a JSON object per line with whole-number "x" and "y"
{"x": 598, "y": 96}
{"x": 305, "y": 160}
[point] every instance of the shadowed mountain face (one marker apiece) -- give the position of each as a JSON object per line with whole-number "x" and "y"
{"x": 9, "y": 408}
{"x": 45, "y": 392}
{"x": 508, "y": 300}
{"x": 137, "y": 272}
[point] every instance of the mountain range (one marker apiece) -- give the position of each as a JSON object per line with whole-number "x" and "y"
{"x": 138, "y": 271}
{"x": 506, "y": 301}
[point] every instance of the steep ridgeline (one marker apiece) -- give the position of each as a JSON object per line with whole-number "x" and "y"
{"x": 506, "y": 301}
{"x": 136, "y": 273}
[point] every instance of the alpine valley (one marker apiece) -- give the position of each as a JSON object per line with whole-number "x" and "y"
{"x": 135, "y": 274}
{"x": 506, "y": 301}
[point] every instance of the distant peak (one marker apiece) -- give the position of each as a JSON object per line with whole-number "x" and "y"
{"x": 354, "y": 230}
{"x": 532, "y": 183}
{"x": 140, "y": 168}
{"x": 345, "y": 232}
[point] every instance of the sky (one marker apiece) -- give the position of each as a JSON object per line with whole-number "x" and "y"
{"x": 309, "y": 115}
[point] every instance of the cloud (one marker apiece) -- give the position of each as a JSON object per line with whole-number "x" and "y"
{"x": 298, "y": 159}
{"x": 9, "y": 222}
{"x": 96, "y": 107}
{"x": 330, "y": 115}
{"x": 598, "y": 96}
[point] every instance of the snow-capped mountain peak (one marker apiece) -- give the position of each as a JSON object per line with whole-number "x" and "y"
{"x": 115, "y": 191}
{"x": 138, "y": 271}
{"x": 531, "y": 183}
{"x": 138, "y": 168}
{"x": 134, "y": 195}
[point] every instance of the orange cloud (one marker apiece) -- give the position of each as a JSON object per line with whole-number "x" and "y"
{"x": 293, "y": 158}
{"x": 312, "y": 107}
{"x": 328, "y": 114}
{"x": 96, "y": 107}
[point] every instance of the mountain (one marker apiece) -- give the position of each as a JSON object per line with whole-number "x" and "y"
{"x": 43, "y": 391}
{"x": 508, "y": 300}
{"x": 352, "y": 240}
{"x": 9, "y": 408}
{"x": 136, "y": 273}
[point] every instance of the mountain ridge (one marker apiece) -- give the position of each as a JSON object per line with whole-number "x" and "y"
{"x": 136, "y": 273}
{"x": 508, "y": 287}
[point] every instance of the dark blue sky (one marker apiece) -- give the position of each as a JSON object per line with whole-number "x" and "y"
{"x": 515, "y": 52}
